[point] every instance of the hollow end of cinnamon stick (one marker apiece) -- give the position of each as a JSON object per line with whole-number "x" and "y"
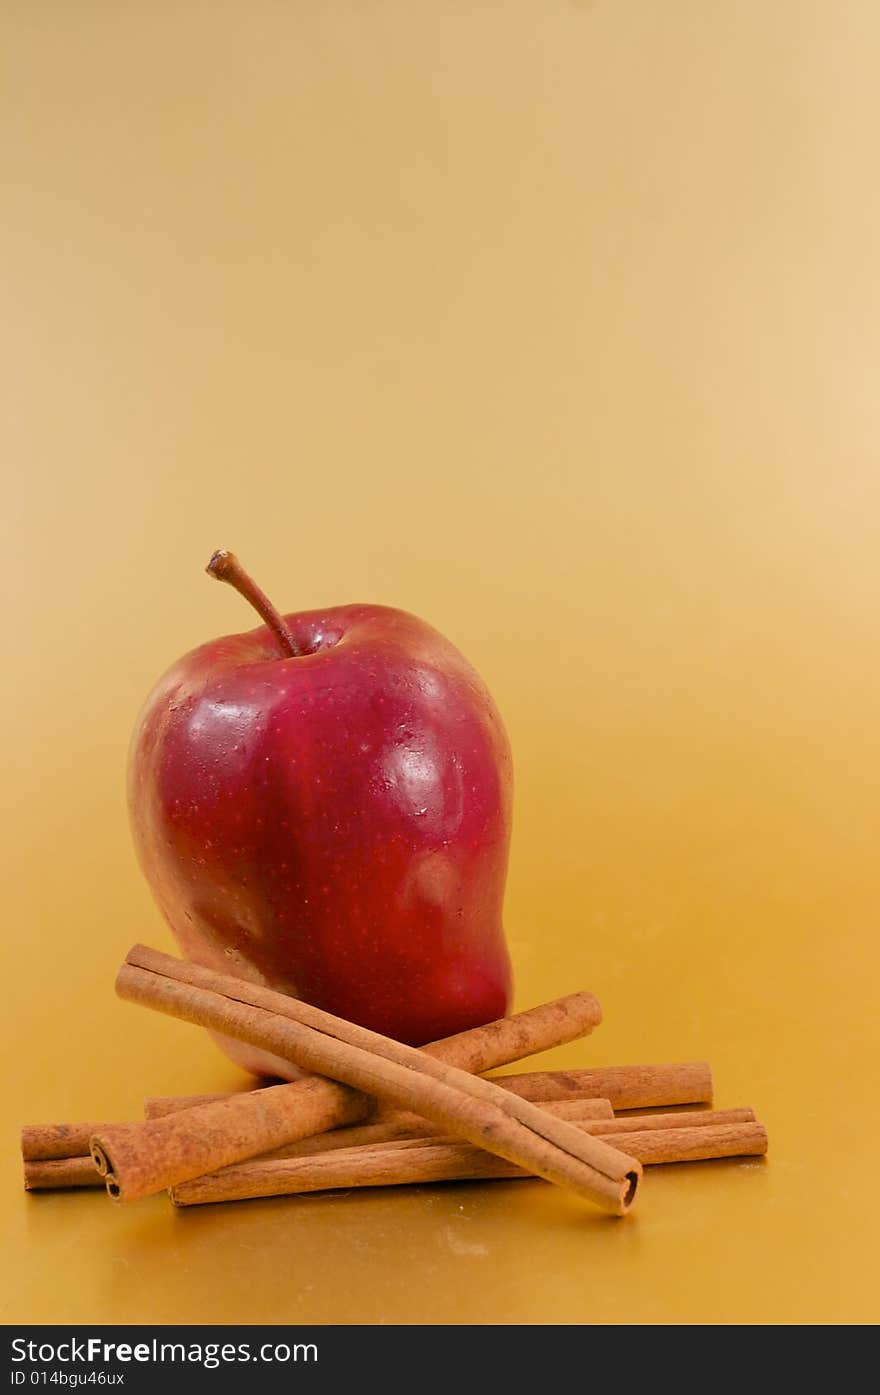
{"x": 99, "y": 1157}
{"x": 632, "y": 1184}
{"x": 105, "y": 1169}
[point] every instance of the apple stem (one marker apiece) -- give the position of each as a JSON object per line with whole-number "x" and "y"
{"x": 225, "y": 566}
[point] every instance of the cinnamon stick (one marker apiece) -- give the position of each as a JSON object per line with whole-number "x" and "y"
{"x": 158, "y": 1106}
{"x": 141, "y": 1159}
{"x": 41, "y": 1142}
{"x": 627, "y": 1124}
{"x": 52, "y": 1173}
{"x": 424, "y": 1160}
{"x": 386, "y": 1131}
{"x": 80, "y": 1171}
{"x": 696, "y": 1144}
{"x": 593, "y": 1116}
{"x": 70, "y": 1142}
{"x": 461, "y": 1103}
{"x": 627, "y": 1087}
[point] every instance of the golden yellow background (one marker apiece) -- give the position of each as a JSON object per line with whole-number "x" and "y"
{"x": 559, "y": 325}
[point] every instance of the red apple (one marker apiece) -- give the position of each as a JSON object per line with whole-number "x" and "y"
{"x": 323, "y": 805}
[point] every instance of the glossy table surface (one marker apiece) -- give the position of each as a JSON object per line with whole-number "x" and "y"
{"x": 559, "y": 327}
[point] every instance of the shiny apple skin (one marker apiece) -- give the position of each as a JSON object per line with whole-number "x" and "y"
{"x": 334, "y": 825}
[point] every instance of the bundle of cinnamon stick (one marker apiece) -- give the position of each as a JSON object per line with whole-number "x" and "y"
{"x": 367, "y": 1111}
